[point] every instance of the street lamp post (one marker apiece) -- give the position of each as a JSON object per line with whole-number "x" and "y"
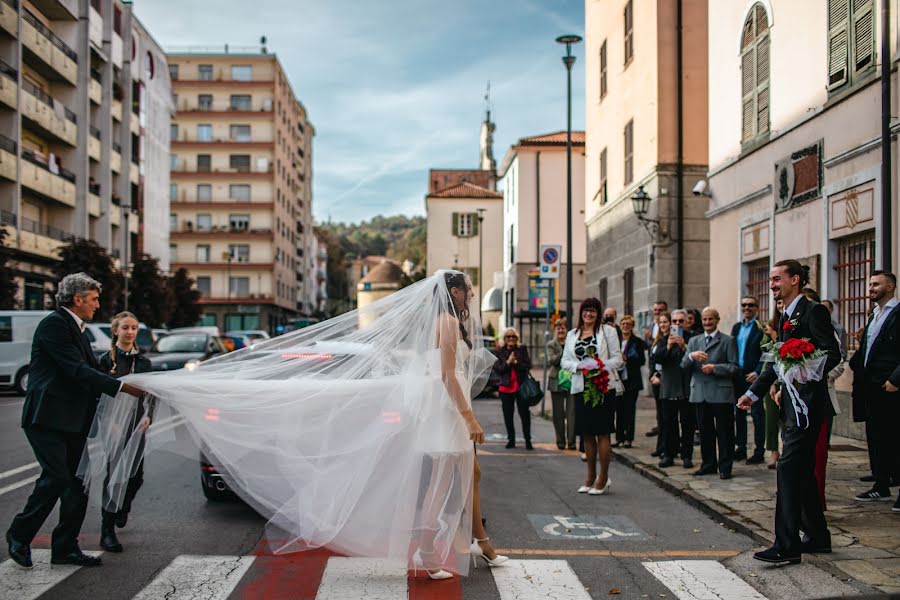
{"x": 568, "y": 60}
{"x": 480, "y": 254}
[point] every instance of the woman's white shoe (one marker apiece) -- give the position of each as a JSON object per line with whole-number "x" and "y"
{"x": 599, "y": 492}
{"x": 477, "y": 551}
{"x": 439, "y": 574}
{"x": 418, "y": 563}
{"x": 583, "y": 489}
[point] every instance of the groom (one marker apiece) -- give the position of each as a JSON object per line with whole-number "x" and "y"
{"x": 797, "y": 502}
{"x": 63, "y": 387}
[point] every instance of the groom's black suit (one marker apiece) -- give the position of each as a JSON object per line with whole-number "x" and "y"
{"x": 797, "y": 503}
{"x": 64, "y": 383}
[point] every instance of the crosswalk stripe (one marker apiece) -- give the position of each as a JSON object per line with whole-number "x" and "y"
{"x": 17, "y": 583}
{"x": 537, "y": 580}
{"x": 18, "y": 470}
{"x": 701, "y": 580}
{"x": 18, "y": 484}
{"x": 191, "y": 577}
{"x": 363, "y": 578}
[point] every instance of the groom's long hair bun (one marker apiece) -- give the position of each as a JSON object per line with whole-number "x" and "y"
{"x": 457, "y": 280}
{"x": 795, "y": 267}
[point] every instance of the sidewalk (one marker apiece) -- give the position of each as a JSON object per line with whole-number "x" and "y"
{"x": 865, "y": 536}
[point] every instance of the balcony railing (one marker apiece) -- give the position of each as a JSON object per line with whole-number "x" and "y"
{"x": 9, "y": 71}
{"x": 117, "y": 147}
{"x": 95, "y": 133}
{"x": 7, "y": 218}
{"x": 33, "y": 159}
{"x": 94, "y": 188}
{"x": 221, "y": 229}
{"x": 48, "y": 100}
{"x": 54, "y": 39}
{"x": 7, "y": 144}
{"x": 96, "y": 75}
{"x": 46, "y": 230}
{"x": 13, "y": 3}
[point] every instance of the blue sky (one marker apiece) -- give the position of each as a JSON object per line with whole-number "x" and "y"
{"x": 395, "y": 87}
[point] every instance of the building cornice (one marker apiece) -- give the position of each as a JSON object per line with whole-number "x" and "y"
{"x": 760, "y": 193}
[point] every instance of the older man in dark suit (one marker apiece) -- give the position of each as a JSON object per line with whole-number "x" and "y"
{"x": 64, "y": 385}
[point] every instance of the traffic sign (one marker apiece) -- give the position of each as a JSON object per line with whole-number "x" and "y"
{"x": 550, "y": 261}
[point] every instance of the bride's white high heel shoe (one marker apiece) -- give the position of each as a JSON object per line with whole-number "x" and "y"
{"x": 437, "y": 574}
{"x": 600, "y": 491}
{"x": 477, "y": 551}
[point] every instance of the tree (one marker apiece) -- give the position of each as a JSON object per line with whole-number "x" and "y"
{"x": 185, "y": 307}
{"x": 8, "y": 286}
{"x": 89, "y": 257}
{"x": 150, "y": 297}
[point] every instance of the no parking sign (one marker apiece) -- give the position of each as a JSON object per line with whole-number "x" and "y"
{"x": 550, "y": 259}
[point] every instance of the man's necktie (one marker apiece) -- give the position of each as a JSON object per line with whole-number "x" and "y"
{"x": 708, "y": 340}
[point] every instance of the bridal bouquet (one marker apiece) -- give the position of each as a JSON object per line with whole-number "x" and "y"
{"x": 797, "y": 361}
{"x": 596, "y": 383}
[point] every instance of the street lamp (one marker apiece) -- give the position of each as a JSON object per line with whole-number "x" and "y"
{"x": 640, "y": 204}
{"x": 480, "y": 254}
{"x": 568, "y": 60}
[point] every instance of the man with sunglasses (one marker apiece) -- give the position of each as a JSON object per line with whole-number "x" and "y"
{"x": 748, "y": 334}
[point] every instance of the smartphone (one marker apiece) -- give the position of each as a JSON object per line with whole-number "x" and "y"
{"x": 678, "y": 330}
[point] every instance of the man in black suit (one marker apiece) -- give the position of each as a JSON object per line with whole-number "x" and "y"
{"x": 797, "y": 503}
{"x": 64, "y": 384}
{"x": 748, "y": 334}
{"x": 876, "y": 379}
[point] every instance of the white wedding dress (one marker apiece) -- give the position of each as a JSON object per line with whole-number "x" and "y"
{"x": 343, "y": 434}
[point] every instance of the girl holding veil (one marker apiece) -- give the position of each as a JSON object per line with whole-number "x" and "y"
{"x": 356, "y": 433}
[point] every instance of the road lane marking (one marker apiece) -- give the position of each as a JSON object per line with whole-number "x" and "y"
{"x": 191, "y": 577}
{"x": 702, "y": 580}
{"x": 18, "y": 484}
{"x": 538, "y": 580}
{"x": 368, "y": 578}
{"x": 17, "y": 583}
{"x": 18, "y": 470}
{"x": 620, "y": 553}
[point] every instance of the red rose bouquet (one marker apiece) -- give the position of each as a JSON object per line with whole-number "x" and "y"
{"x": 797, "y": 361}
{"x": 596, "y": 384}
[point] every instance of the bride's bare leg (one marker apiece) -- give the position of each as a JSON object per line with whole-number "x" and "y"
{"x": 477, "y": 526}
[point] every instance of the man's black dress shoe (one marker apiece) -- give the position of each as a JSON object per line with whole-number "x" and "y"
{"x": 528, "y": 445}
{"x": 510, "y": 444}
{"x": 688, "y": 464}
{"x": 77, "y": 558}
{"x": 19, "y": 552}
{"x": 121, "y": 519}
{"x": 773, "y": 556}
{"x": 756, "y": 459}
{"x": 109, "y": 541}
{"x": 724, "y": 475}
{"x": 666, "y": 462}
{"x": 702, "y": 472}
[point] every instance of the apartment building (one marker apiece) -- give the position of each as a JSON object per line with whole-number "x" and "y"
{"x": 85, "y": 103}
{"x": 241, "y": 188}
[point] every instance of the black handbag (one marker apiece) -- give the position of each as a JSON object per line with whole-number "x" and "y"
{"x": 529, "y": 391}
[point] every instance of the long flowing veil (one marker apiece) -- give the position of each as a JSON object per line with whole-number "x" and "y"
{"x": 342, "y": 434}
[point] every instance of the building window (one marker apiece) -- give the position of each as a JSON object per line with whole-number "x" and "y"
{"x": 205, "y": 72}
{"x": 173, "y": 162}
{"x": 149, "y": 67}
{"x": 173, "y": 132}
{"x": 758, "y": 285}
{"x": 173, "y": 222}
{"x": 602, "y": 191}
{"x": 239, "y": 222}
{"x": 203, "y": 286}
{"x": 173, "y": 192}
{"x": 204, "y": 192}
{"x": 239, "y": 192}
{"x": 242, "y": 72}
{"x": 629, "y": 31}
{"x": 855, "y": 263}
{"x": 240, "y": 162}
{"x": 465, "y": 224}
{"x": 204, "y": 163}
{"x": 239, "y": 252}
{"x": 241, "y": 102}
{"x": 204, "y": 102}
{"x": 755, "y": 74}
{"x": 628, "y": 291}
{"x": 603, "y": 70}
{"x": 204, "y": 222}
{"x": 173, "y": 253}
{"x": 512, "y": 243}
{"x": 202, "y": 253}
{"x": 629, "y": 152}
{"x": 117, "y": 20}
{"x": 240, "y": 133}
{"x": 173, "y": 72}
{"x": 239, "y": 287}
{"x": 851, "y": 41}
{"x": 604, "y": 292}
{"x": 204, "y": 133}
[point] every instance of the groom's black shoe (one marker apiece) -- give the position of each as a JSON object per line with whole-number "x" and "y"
{"x": 775, "y": 557}
{"x": 19, "y": 552}
{"x": 77, "y": 558}
{"x": 109, "y": 541}
{"x": 810, "y": 546}
{"x": 122, "y": 519}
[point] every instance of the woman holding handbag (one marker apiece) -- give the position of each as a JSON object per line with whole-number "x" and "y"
{"x": 586, "y": 346}
{"x": 563, "y": 405}
{"x": 512, "y": 368}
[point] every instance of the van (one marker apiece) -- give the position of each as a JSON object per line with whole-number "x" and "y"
{"x": 16, "y": 333}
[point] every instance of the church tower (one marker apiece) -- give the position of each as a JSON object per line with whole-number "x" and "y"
{"x": 487, "y": 162}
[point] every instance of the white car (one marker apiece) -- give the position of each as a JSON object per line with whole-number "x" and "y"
{"x": 16, "y": 333}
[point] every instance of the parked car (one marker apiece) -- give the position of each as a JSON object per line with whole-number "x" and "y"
{"x": 159, "y": 333}
{"x": 255, "y": 335}
{"x": 236, "y": 342}
{"x": 210, "y": 329}
{"x": 100, "y": 340}
{"x": 16, "y": 332}
{"x": 174, "y": 350}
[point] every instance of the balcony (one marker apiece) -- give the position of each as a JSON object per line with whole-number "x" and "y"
{"x": 38, "y": 177}
{"x": 132, "y": 222}
{"x": 115, "y": 214}
{"x": 58, "y": 60}
{"x": 94, "y": 199}
{"x": 134, "y": 124}
{"x": 94, "y": 144}
{"x": 95, "y": 87}
{"x": 7, "y": 158}
{"x": 225, "y": 204}
{"x": 48, "y": 114}
{"x": 221, "y": 266}
{"x": 188, "y": 231}
{"x": 9, "y": 85}
{"x": 58, "y": 10}
{"x": 40, "y": 238}
{"x": 117, "y": 108}
{"x": 9, "y": 17}
{"x": 241, "y": 173}
{"x": 190, "y": 107}
{"x": 134, "y": 173}
{"x": 115, "y": 158}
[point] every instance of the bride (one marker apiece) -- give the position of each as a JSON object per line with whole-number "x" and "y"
{"x": 356, "y": 434}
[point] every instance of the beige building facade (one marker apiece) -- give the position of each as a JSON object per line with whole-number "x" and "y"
{"x": 636, "y": 137}
{"x": 85, "y": 103}
{"x": 795, "y": 154}
{"x": 241, "y": 172}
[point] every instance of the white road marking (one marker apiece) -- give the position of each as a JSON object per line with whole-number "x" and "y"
{"x": 18, "y": 484}
{"x": 538, "y": 580}
{"x": 368, "y": 578}
{"x": 18, "y": 470}
{"x": 702, "y": 580}
{"x": 197, "y": 578}
{"x": 17, "y": 583}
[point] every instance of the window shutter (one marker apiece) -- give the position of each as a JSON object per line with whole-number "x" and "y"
{"x": 747, "y": 92}
{"x": 456, "y": 224}
{"x": 838, "y": 42}
{"x": 863, "y": 36}
{"x": 475, "y": 224}
{"x": 762, "y": 86}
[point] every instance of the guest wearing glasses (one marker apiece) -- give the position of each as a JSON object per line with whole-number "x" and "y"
{"x": 511, "y": 368}
{"x": 679, "y": 421}
{"x": 748, "y": 334}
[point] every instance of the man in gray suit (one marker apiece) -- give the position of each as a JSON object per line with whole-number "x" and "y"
{"x": 712, "y": 361}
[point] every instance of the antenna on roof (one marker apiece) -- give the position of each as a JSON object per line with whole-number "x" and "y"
{"x": 262, "y": 42}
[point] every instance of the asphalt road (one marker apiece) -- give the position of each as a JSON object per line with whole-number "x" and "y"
{"x": 638, "y": 541}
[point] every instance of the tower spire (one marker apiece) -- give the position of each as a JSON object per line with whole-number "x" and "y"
{"x": 487, "y": 162}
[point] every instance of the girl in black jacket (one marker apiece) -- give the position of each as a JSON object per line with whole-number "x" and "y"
{"x": 634, "y": 352}
{"x": 123, "y": 359}
{"x": 511, "y": 368}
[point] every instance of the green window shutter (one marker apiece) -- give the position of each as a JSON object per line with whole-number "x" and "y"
{"x": 475, "y": 224}
{"x": 456, "y": 224}
{"x": 762, "y": 85}
{"x": 838, "y": 42}
{"x": 747, "y": 94}
{"x": 863, "y": 36}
